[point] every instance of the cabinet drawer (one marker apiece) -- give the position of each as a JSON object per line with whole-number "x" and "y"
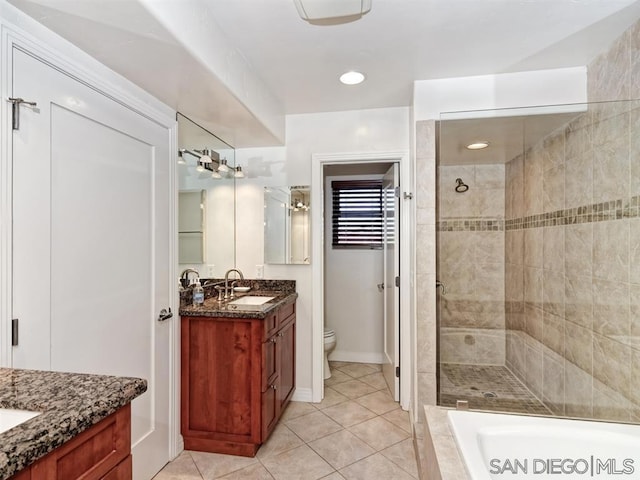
{"x": 285, "y": 312}
{"x": 270, "y": 325}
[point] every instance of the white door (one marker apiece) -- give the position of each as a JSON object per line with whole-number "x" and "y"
{"x": 391, "y": 367}
{"x": 91, "y": 243}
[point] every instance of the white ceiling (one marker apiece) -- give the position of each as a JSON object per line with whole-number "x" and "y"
{"x": 396, "y": 43}
{"x": 400, "y": 41}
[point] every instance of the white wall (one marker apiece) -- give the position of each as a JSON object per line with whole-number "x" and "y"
{"x": 373, "y": 130}
{"x": 507, "y": 90}
{"x": 353, "y": 306}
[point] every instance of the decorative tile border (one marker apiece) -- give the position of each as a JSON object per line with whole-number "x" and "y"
{"x": 597, "y": 212}
{"x": 454, "y": 224}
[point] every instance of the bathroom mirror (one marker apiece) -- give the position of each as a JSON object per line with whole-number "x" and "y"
{"x": 211, "y": 249}
{"x": 287, "y": 223}
{"x": 191, "y": 226}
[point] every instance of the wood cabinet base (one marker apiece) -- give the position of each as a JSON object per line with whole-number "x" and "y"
{"x": 220, "y": 446}
{"x": 103, "y": 452}
{"x": 238, "y": 375}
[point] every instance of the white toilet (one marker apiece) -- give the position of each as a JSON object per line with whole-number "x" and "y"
{"x": 329, "y": 345}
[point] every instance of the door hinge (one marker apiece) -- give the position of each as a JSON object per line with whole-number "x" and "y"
{"x": 14, "y": 332}
{"x": 15, "y": 110}
{"x": 397, "y": 192}
{"x": 397, "y": 281}
{"x": 398, "y": 372}
{"x": 408, "y": 196}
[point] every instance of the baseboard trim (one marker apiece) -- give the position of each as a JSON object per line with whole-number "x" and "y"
{"x": 302, "y": 395}
{"x": 357, "y": 357}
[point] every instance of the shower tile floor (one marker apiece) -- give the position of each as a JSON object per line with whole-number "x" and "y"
{"x": 356, "y": 433}
{"x": 487, "y": 387}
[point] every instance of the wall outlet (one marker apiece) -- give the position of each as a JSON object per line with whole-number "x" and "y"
{"x": 211, "y": 271}
{"x": 259, "y": 271}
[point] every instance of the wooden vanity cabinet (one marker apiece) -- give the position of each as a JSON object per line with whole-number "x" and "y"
{"x": 103, "y": 452}
{"x": 238, "y": 374}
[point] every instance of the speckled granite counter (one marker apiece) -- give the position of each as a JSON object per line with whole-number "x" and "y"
{"x": 70, "y": 403}
{"x": 283, "y": 291}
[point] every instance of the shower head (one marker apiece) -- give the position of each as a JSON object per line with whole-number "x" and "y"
{"x": 461, "y": 187}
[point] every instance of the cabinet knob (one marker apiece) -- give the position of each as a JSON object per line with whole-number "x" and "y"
{"x": 274, "y": 387}
{"x": 273, "y": 339}
{"x": 281, "y": 334}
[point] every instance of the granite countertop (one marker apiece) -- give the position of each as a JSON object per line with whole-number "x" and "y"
{"x": 70, "y": 404}
{"x": 212, "y": 308}
{"x": 284, "y": 292}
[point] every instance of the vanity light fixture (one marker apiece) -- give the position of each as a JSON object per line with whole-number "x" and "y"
{"x": 181, "y": 160}
{"x": 352, "y": 78}
{"x": 215, "y": 174}
{"x": 200, "y": 167}
{"x": 238, "y": 173}
{"x": 206, "y": 156}
{"x": 223, "y": 166}
{"x": 478, "y": 145}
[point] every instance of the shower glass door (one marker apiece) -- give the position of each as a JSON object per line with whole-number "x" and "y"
{"x": 540, "y": 257}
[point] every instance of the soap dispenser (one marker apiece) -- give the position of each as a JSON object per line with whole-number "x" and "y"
{"x": 198, "y": 293}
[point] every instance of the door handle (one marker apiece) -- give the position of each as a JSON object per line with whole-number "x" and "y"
{"x": 165, "y": 315}
{"x": 381, "y": 287}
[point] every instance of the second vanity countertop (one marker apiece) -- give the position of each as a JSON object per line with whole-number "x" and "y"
{"x": 70, "y": 404}
{"x": 283, "y": 291}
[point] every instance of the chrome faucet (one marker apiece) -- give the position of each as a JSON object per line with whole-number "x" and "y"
{"x": 229, "y": 293}
{"x": 184, "y": 276}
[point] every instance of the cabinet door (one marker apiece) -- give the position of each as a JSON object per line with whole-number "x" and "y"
{"x": 269, "y": 362}
{"x": 286, "y": 362}
{"x": 121, "y": 472}
{"x": 220, "y": 380}
{"x": 270, "y": 409}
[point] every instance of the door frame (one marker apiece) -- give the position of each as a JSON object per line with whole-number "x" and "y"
{"x": 319, "y": 160}
{"x": 21, "y": 31}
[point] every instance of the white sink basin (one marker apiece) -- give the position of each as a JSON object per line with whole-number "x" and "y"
{"x": 251, "y": 300}
{"x": 10, "y": 418}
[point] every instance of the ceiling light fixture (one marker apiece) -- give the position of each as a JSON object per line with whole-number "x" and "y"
{"x": 352, "y": 78}
{"x": 319, "y": 10}
{"x": 478, "y": 145}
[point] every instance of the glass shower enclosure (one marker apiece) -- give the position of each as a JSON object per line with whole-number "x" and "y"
{"x": 539, "y": 260}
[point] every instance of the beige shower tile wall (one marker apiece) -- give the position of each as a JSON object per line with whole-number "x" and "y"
{"x": 572, "y": 281}
{"x": 426, "y": 261}
{"x": 471, "y": 245}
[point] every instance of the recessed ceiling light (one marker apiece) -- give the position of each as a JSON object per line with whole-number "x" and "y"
{"x": 478, "y": 145}
{"x": 352, "y": 78}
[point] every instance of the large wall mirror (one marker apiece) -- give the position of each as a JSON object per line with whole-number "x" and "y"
{"x": 287, "y": 223}
{"x": 206, "y": 205}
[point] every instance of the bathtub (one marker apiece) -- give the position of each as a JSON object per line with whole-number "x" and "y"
{"x": 503, "y": 446}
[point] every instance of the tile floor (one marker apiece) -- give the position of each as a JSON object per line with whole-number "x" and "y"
{"x": 357, "y": 433}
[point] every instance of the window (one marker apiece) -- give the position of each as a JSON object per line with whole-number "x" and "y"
{"x": 358, "y": 214}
